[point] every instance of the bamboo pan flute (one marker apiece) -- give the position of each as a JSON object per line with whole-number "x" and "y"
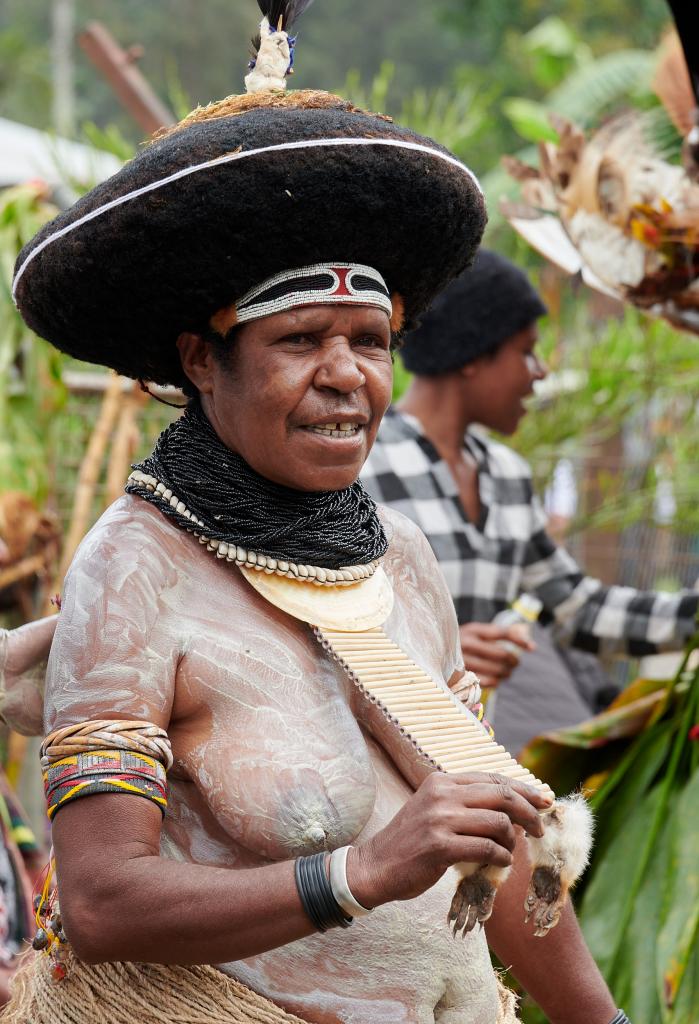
{"x": 432, "y": 722}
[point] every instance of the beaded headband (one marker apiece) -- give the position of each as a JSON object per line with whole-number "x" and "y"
{"x": 318, "y": 284}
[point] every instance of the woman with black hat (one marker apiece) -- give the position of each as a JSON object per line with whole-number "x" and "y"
{"x": 475, "y": 363}
{"x": 260, "y": 257}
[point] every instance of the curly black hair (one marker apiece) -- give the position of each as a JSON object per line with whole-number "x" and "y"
{"x": 120, "y": 287}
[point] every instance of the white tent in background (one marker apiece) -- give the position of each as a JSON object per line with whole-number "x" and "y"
{"x": 27, "y": 153}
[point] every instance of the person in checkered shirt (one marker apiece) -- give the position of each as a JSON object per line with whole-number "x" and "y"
{"x": 474, "y": 362}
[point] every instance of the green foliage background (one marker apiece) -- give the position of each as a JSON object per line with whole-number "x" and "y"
{"x": 480, "y": 76}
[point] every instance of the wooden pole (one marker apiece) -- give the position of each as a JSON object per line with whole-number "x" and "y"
{"x": 124, "y": 444}
{"x": 129, "y": 85}
{"x": 21, "y": 570}
{"x": 89, "y": 474}
{"x": 62, "y": 30}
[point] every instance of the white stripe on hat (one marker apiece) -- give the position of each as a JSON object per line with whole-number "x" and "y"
{"x": 227, "y": 158}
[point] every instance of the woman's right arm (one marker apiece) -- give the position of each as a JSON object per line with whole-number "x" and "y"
{"x": 121, "y": 901}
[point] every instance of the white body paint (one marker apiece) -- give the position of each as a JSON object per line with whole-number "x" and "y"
{"x": 268, "y": 755}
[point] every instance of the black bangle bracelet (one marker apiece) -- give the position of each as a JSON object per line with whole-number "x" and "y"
{"x": 620, "y": 1018}
{"x": 331, "y": 913}
{"x": 333, "y": 910}
{"x": 316, "y": 894}
{"x": 302, "y": 889}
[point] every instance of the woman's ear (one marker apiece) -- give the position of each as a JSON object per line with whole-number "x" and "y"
{"x": 197, "y": 361}
{"x": 469, "y": 370}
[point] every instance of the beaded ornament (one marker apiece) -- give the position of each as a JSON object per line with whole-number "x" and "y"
{"x": 251, "y": 559}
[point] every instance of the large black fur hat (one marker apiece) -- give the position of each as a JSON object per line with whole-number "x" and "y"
{"x": 246, "y": 189}
{"x": 473, "y": 316}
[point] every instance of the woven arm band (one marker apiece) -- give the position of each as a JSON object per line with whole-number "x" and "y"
{"x": 105, "y": 756}
{"x": 107, "y": 734}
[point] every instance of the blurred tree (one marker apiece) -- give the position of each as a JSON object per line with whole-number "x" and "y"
{"x": 208, "y": 43}
{"x": 31, "y": 391}
{"x": 475, "y": 44}
{"x": 487, "y": 29}
{"x": 634, "y": 375}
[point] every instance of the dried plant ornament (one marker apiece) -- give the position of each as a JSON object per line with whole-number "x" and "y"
{"x": 609, "y": 207}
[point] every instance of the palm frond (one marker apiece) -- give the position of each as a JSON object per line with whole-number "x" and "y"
{"x": 598, "y": 85}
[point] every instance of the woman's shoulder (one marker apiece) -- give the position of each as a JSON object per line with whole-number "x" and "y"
{"x": 129, "y": 535}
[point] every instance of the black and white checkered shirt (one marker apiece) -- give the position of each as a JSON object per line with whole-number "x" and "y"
{"x": 488, "y": 564}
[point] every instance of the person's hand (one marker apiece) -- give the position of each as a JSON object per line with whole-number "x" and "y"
{"x": 451, "y": 818}
{"x": 4, "y": 552}
{"x": 483, "y": 655}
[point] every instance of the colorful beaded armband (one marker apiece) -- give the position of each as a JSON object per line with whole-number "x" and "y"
{"x": 104, "y": 771}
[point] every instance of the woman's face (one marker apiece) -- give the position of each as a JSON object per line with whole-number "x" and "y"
{"x": 303, "y": 395}
{"x": 496, "y": 386}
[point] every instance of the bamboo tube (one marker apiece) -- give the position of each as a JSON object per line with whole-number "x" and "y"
{"x": 361, "y": 642}
{"x": 456, "y": 746}
{"x": 387, "y": 692}
{"x": 420, "y": 702}
{"x": 456, "y": 728}
{"x": 498, "y": 767}
{"x": 384, "y": 659}
{"x": 423, "y": 708}
{"x": 407, "y": 685}
{"x": 460, "y": 743}
{"x": 401, "y": 673}
{"x": 476, "y": 754}
{"x": 428, "y": 716}
{"x": 475, "y": 764}
{"x": 482, "y": 754}
{"x": 493, "y": 751}
{"x": 417, "y": 704}
{"x": 411, "y": 693}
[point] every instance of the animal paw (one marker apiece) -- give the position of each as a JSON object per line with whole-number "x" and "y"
{"x": 472, "y": 903}
{"x": 544, "y": 900}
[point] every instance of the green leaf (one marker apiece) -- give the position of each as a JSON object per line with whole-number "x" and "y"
{"x": 566, "y": 757}
{"x": 641, "y": 772}
{"x": 612, "y": 889}
{"x": 685, "y": 1009}
{"x": 633, "y": 980}
{"x": 529, "y": 119}
{"x": 601, "y": 84}
{"x": 680, "y": 917}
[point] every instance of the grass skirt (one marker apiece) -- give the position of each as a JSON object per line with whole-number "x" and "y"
{"x": 121, "y": 993}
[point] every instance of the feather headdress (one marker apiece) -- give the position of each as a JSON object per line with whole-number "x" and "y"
{"x": 273, "y": 47}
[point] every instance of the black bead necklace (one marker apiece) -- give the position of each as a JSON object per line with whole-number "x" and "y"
{"x": 236, "y": 505}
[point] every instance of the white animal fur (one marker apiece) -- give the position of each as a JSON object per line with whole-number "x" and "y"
{"x": 557, "y": 860}
{"x": 567, "y": 840}
{"x": 272, "y": 61}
